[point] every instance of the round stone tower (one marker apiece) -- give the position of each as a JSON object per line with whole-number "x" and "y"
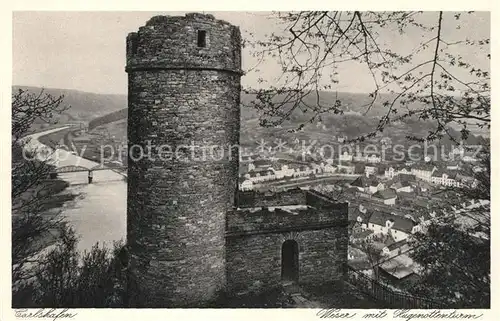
{"x": 183, "y": 131}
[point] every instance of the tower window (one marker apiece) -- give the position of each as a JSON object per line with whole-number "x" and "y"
{"x": 202, "y": 38}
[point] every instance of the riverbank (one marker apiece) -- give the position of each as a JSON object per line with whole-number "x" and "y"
{"x": 44, "y": 202}
{"x": 48, "y": 196}
{"x": 53, "y": 190}
{"x": 96, "y": 212}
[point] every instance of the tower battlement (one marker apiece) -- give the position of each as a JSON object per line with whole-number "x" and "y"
{"x": 195, "y": 41}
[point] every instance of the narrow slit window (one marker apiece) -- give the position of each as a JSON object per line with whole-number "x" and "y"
{"x": 202, "y": 38}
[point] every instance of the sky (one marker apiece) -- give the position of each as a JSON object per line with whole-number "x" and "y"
{"x": 86, "y": 50}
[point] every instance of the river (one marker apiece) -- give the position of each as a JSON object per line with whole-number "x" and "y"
{"x": 99, "y": 213}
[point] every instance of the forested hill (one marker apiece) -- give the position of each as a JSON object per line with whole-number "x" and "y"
{"x": 100, "y": 109}
{"x": 85, "y": 106}
{"x": 352, "y": 103}
{"x": 109, "y": 118}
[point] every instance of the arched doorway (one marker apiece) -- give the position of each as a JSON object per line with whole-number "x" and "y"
{"x": 290, "y": 261}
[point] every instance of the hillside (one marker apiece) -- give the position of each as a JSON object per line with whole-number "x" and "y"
{"x": 101, "y": 109}
{"x": 353, "y": 104}
{"x": 85, "y": 106}
{"x": 108, "y": 118}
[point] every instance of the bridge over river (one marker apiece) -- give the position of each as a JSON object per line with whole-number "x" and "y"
{"x": 80, "y": 174}
{"x": 99, "y": 213}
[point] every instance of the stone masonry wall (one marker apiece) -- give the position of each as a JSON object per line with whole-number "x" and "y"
{"x": 254, "y": 242}
{"x": 171, "y": 42}
{"x": 245, "y": 222}
{"x": 254, "y": 262}
{"x": 181, "y": 98}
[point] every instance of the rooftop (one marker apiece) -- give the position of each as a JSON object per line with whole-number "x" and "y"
{"x": 406, "y": 178}
{"x": 362, "y": 234}
{"x": 400, "y": 167}
{"x": 385, "y": 194}
{"x": 400, "y": 223}
{"x": 397, "y": 245}
{"x": 423, "y": 167}
{"x": 260, "y": 172}
{"x": 354, "y": 212}
{"x": 440, "y": 173}
{"x": 408, "y": 195}
{"x": 363, "y": 181}
{"x": 400, "y": 184}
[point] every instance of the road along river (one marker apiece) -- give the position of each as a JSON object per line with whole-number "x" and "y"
{"x": 99, "y": 213}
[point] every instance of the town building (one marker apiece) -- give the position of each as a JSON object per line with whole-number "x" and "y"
{"x": 245, "y": 184}
{"x": 393, "y": 171}
{"x": 402, "y": 186}
{"x": 453, "y": 165}
{"x": 359, "y": 215}
{"x": 345, "y": 157}
{"x": 398, "y": 227}
{"x": 445, "y": 178}
{"x": 371, "y": 170}
{"x": 355, "y": 254}
{"x": 423, "y": 171}
{"x": 361, "y": 236}
{"x": 470, "y": 157}
{"x": 404, "y": 177}
{"x": 387, "y": 196}
{"x": 246, "y": 158}
{"x": 345, "y": 168}
{"x": 400, "y": 271}
{"x": 328, "y": 168}
{"x": 261, "y": 175}
{"x": 259, "y": 164}
{"x": 374, "y": 159}
{"x": 467, "y": 155}
{"x": 466, "y": 179}
{"x": 360, "y": 157}
{"x": 367, "y": 184}
{"x": 396, "y": 248}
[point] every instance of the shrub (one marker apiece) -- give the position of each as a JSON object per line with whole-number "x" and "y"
{"x": 65, "y": 278}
